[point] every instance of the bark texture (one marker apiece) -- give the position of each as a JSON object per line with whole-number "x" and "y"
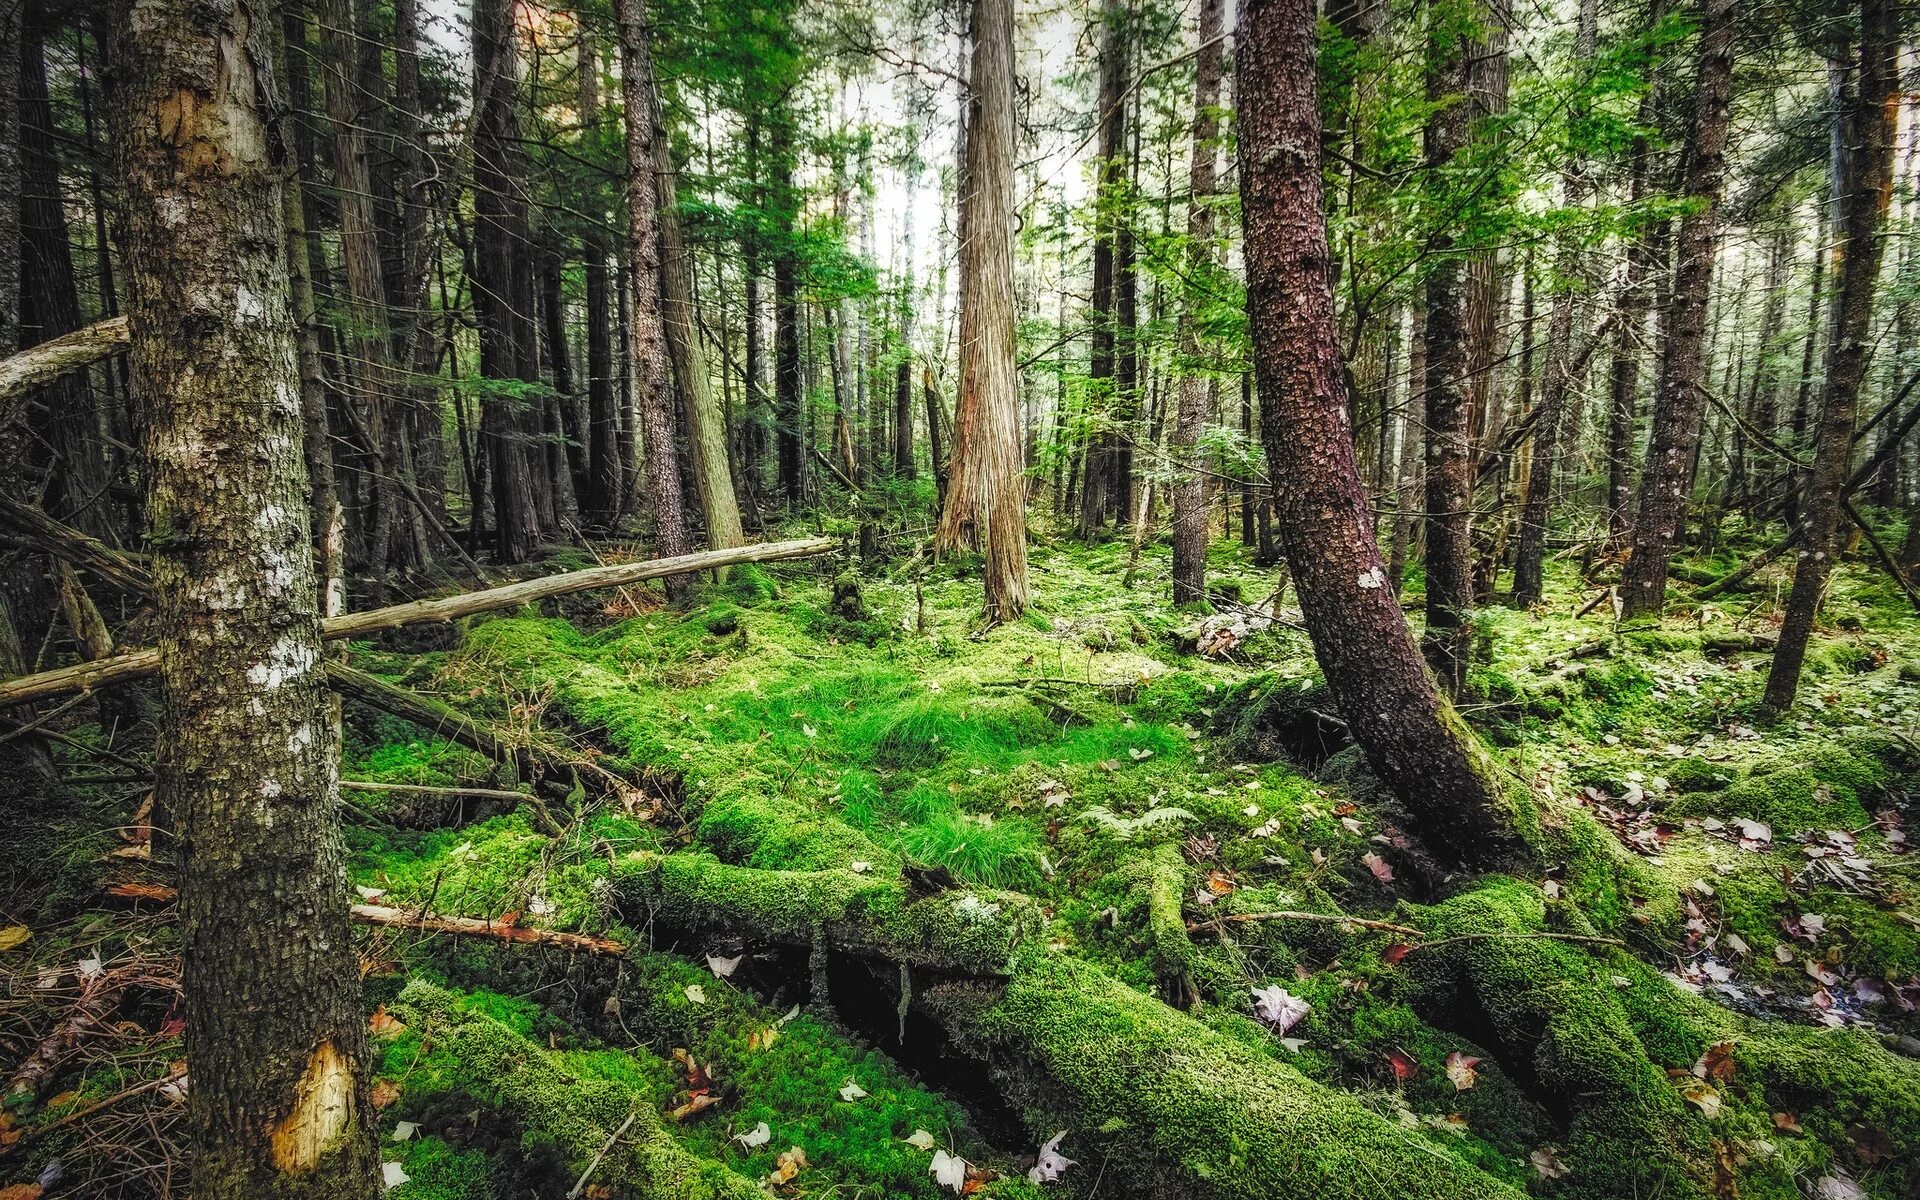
{"x": 985, "y": 506}
{"x": 1680, "y": 406}
{"x": 1865, "y": 191}
{"x": 660, "y": 468}
{"x": 246, "y": 759}
{"x": 1413, "y": 741}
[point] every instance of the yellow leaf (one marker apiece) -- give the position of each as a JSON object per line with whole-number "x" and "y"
{"x": 13, "y": 935}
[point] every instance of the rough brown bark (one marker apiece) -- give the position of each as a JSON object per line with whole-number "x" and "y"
{"x": 12, "y": 16}
{"x": 1190, "y": 492}
{"x": 1680, "y": 405}
{"x": 985, "y": 507}
{"x": 1413, "y": 741}
{"x": 246, "y": 760}
{"x": 1865, "y": 190}
{"x": 787, "y": 415}
{"x": 1623, "y": 377}
{"x": 601, "y": 497}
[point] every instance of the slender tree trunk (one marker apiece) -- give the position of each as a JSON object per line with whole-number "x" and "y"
{"x": 1623, "y": 377}
{"x": 703, "y": 415}
{"x": 601, "y": 497}
{"x": 1414, "y": 743}
{"x": 790, "y": 433}
{"x": 985, "y": 507}
{"x": 12, "y": 24}
{"x": 1864, "y": 190}
{"x": 1406, "y": 508}
{"x": 503, "y": 283}
{"x": 246, "y": 761}
{"x": 1449, "y": 443}
{"x": 1190, "y": 492}
{"x": 903, "y": 374}
{"x": 1667, "y": 481}
{"x": 1096, "y": 484}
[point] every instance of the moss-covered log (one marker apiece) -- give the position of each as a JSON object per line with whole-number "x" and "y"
{"x": 972, "y": 931}
{"x": 1185, "y": 1110}
{"x": 1608, "y": 1044}
{"x": 577, "y": 1117}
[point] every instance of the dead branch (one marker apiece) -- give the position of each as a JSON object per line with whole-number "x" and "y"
{"x": 139, "y": 664}
{"x": 395, "y": 918}
{"x": 42, "y": 364}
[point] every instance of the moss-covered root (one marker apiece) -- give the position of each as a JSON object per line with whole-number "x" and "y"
{"x": 578, "y": 1117}
{"x": 968, "y": 930}
{"x": 1607, "y": 1044}
{"x": 1179, "y": 1110}
{"x": 1158, "y": 884}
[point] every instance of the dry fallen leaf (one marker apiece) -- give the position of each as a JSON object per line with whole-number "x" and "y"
{"x": 1701, "y": 1094}
{"x": 948, "y": 1171}
{"x": 385, "y": 1092}
{"x": 790, "y": 1164}
{"x": 1715, "y": 1063}
{"x": 1546, "y": 1161}
{"x": 1052, "y": 1164}
{"x": 852, "y": 1091}
{"x": 921, "y": 1140}
{"x": 756, "y": 1137}
{"x": 382, "y": 1025}
{"x": 12, "y": 936}
{"x": 1279, "y": 1007}
{"x": 695, "y": 993}
{"x": 763, "y": 1039}
{"x": 1404, "y": 1068}
{"x": 1378, "y": 866}
{"x": 1460, "y": 1069}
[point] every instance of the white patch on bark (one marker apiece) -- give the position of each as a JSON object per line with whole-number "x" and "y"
{"x": 290, "y": 658}
{"x": 247, "y": 303}
{"x": 1372, "y": 578}
{"x": 322, "y": 1112}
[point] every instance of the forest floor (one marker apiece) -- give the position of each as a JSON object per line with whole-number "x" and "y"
{"x": 900, "y": 901}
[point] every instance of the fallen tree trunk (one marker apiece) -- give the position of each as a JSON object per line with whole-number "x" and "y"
{"x": 1179, "y": 1109}
{"x": 138, "y": 664}
{"x": 596, "y": 1124}
{"x": 40, "y": 365}
{"x": 34, "y": 528}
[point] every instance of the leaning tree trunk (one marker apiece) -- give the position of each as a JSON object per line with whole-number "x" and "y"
{"x": 1680, "y": 406}
{"x": 246, "y": 762}
{"x": 1190, "y": 493}
{"x": 660, "y": 470}
{"x": 1413, "y": 741}
{"x": 986, "y": 503}
{"x": 1865, "y": 191}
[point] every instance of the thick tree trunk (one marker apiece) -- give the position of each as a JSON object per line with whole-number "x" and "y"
{"x": 246, "y": 762}
{"x": 985, "y": 507}
{"x": 660, "y": 472}
{"x": 1865, "y": 190}
{"x": 503, "y": 288}
{"x": 1667, "y": 480}
{"x": 1190, "y": 492}
{"x": 1413, "y": 741}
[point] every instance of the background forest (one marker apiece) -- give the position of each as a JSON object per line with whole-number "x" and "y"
{"x": 940, "y": 597}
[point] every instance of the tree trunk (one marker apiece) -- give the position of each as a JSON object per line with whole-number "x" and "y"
{"x": 1190, "y": 492}
{"x": 789, "y": 433}
{"x": 1096, "y": 484}
{"x": 660, "y": 474}
{"x": 503, "y": 284}
{"x": 1623, "y": 377}
{"x": 601, "y": 497}
{"x": 985, "y": 507}
{"x": 246, "y": 762}
{"x": 1449, "y": 445}
{"x": 903, "y": 467}
{"x": 1406, "y": 506}
{"x": 1572, "y": 281}
{"x": 1412, "y": 740}
{"x": 1864, "y": 189}
{"x": 1667, "y": 480}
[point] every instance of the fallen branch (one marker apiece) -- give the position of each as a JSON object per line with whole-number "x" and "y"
{"x": 139, "y": 664}
{"x": 40, "y": 365}
{"x": 434, "y": 789}
{"x": 80, "y": 1114}
{"x": 396, "y": 918}
{"x": 32, "y": 527}
{"x": 1321, "y": 918}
